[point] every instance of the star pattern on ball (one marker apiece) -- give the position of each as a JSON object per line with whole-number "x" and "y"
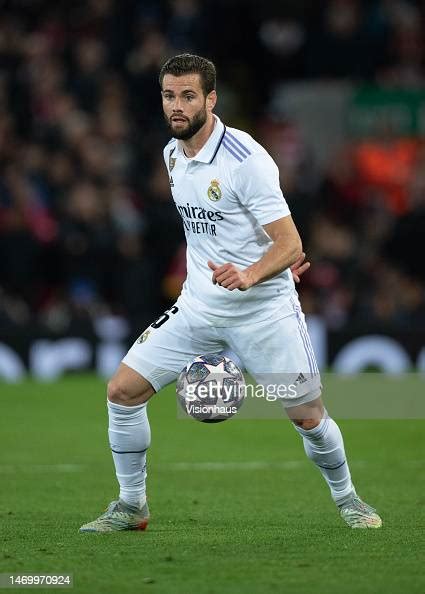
{"x": 217, "y": 372}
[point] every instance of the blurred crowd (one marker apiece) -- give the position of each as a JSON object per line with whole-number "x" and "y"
{"x": 87, "y": 224}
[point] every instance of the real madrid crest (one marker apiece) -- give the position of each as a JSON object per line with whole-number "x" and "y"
{"x": 171, "y": 163}
{"x": 214, "y": 191}
{"x": 171, "y": 159}
{"x": 143, "y": 337}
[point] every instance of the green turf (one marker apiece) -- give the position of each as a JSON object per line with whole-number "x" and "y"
{"x": 219, "y": 529}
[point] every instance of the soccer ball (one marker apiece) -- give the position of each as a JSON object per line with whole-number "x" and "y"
{"x": 211, "y": 388}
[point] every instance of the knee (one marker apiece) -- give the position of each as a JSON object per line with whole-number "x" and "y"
{"x": 129, "y": 388}
{"x": 117, "y": 393}
{"x": 307, "y": 424}
{"x": 307, "y": 416}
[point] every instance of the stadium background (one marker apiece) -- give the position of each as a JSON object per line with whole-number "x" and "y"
{"x": 90, "y": 243}
{"x": 91, "y": 250}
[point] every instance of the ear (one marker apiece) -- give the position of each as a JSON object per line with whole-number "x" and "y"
{"x": 211, "y": 100}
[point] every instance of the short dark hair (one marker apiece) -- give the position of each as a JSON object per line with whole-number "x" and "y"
{"x": 191, "y": 64}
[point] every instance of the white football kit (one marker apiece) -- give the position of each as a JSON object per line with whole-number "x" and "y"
{"x": 225, "y": 194}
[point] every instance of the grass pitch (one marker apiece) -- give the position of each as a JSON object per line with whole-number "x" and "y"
{"x": 236, "y": 506}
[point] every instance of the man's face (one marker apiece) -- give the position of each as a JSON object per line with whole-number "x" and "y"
{"x": 185, "y": 105}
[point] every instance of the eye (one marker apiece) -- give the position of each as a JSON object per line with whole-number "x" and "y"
{"x": 190, "y": 97}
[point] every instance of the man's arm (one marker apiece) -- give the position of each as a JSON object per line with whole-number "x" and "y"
{"x": 285, "y": 251}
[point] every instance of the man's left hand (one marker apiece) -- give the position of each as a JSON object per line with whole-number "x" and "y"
{"x": 299, "y": 267}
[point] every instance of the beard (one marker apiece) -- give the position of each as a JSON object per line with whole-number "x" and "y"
{"x": 193, "y": 125}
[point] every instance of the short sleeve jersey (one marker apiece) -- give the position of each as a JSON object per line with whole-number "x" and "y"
{"x": 225, "y": 194}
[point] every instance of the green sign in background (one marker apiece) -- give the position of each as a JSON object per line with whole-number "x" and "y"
{"x": 375, "y": 111}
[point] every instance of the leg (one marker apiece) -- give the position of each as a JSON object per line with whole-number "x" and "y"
{"x": 324, "y": 445}
{"x": 154, "y": 360}
{"x": 129, "y": 438}
{"x": 128, "y": 388}
{"x": 129, "y": 432}
{"x": 278, "y": 353}
{"x": 285, "y": 349}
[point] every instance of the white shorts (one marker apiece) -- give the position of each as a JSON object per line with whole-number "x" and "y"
{"x": 276, "y": 352}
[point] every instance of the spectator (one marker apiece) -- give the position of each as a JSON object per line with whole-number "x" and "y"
{"x": 87, "y": 225}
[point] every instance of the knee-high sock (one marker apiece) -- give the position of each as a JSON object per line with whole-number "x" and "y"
{"x": 325, "y": 447}
{"x": 129, "y": 438}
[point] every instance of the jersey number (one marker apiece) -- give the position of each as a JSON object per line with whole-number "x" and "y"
{"x": 164, "y": 317}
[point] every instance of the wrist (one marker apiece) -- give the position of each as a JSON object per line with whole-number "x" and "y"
{"x": 253, "y": 277}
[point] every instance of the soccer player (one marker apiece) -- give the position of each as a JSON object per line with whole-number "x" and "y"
{"x": 239, "y": 294}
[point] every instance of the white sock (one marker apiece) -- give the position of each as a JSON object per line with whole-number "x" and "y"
{"x": 325, "y": 447}
{"x": 129, "y": 438}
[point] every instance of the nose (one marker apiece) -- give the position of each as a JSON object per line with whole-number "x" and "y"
{"x": 177, "y": 105}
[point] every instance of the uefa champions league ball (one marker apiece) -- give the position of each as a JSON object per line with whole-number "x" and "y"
{"x": 211, "y": 388}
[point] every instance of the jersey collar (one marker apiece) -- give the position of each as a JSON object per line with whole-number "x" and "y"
{"x": 210, "y": 148}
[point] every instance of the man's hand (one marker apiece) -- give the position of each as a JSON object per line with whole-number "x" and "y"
{"x": 230, "y": 277}
{"x": 298, "y": 268}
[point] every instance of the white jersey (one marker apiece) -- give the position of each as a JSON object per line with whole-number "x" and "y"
{"x": 225, "y": 194}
